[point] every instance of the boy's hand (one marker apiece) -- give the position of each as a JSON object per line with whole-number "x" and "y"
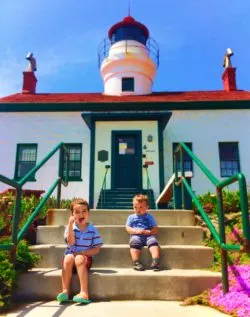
{"x": 71, "y": 220}
{"x": 146, "y": 232}
{"x": 139, "y": 231}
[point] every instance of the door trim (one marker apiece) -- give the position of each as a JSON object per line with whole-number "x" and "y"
{"x": 138, "y": 135}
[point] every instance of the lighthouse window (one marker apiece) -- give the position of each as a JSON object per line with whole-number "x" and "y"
{"x": 188, "y": 164}
{"x": 128, "y": 84}
{"x": 25, "y": 160}
{"x": 75, "y": 161}
{"x": 229, "y": 158}
{"x": 129, "y": 33}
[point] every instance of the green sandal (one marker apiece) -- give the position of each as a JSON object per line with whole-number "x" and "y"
{"x": 62, "y": 297}
{"x": 79, "y": 299}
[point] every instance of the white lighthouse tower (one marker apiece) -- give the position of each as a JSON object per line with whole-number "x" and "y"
{"x": 128, "y": 59}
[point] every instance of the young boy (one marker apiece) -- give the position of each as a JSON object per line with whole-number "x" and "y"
{"x": 142, "y": 227}
{"x": 83, "y": 242}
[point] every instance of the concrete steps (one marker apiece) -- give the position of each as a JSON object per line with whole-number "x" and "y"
{"x": 168, "y": 235}
{"x": 172, "y": 257}
{"x": 184, "y": 260}
{"x": 119, "y": 284}
{"x": 119, "y": 217}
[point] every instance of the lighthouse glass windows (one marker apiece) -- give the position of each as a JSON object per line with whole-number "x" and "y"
{"x": 128, "y": 84}
{"x": 26, "y": 156}
{"x": 75, "y": 161}
{"x": 129, "y": 33}
{"x": 188, "y": 164}
{"x": 229, "y": 158}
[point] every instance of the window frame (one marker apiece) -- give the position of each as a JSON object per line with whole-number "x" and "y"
{"x": 124, "y": 83}
{"x": 18, "y": 149}
{"x": 237, "y": 160}
{"x": 190, "y": 146}
{"x": 72, "y": 178}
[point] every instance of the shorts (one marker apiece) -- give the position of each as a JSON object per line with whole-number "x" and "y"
{"x": 139, "y": 241}
{"x": 88, "y": 265}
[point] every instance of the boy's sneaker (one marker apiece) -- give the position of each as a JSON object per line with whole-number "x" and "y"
{"x": 155, "y": 266}
{"x": 138, "y": 266}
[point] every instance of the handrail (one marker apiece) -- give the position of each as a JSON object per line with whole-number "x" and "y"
{"x": 180, "y": 182}
{"x": 104, "y": 186}
{"x": 17, "y": 236}
{"x": 149, "y": 187}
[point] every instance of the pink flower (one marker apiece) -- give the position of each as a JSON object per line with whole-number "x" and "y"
{"x": 237, "y": 300}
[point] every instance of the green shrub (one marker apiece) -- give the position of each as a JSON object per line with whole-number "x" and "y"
{"x": 231, "y": 202}
{"x": 9, "y": 272}
{"x": 7, "y": 280}
{"x": 28, "y": 205}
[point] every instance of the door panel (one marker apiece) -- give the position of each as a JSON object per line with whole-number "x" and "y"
{"x": 127, "y": 163}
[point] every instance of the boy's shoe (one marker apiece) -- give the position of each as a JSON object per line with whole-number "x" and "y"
{"x": 80, "y": 298}
{"x": 62, "y": 297}
{"x": 138, "y": 266}
{"x": 155, "y": 266}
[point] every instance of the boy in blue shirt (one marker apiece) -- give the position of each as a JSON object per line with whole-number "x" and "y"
{"x": 83, "y": 242}
{"x": 142, "y": 228}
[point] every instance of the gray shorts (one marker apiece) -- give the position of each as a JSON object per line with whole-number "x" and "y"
{"x": 139, "y": 241}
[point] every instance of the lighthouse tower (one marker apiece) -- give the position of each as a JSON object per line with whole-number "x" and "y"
{"x": 128, "y": 59}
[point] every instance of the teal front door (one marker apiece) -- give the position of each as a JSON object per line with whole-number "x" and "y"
{"x": 126, "y": 166}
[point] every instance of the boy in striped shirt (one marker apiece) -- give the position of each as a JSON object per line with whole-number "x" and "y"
{"x": 83, "y": 241}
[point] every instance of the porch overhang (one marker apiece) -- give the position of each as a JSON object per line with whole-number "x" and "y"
{"x": 90, "y": 117}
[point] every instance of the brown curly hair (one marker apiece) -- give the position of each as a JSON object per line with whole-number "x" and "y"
{"x": 78, "y": 201}
{"x": 141, "y": 198}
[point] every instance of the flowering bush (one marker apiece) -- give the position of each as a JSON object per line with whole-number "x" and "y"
{"x": 237, "y": 300}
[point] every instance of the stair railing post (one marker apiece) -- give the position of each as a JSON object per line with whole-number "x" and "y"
{"x": 148, "y": 186}
{"x": 104, "y": 187}
{"x": 15, "y": 222}
{"x": 176, "y": 186}
{"x": 60, "y": 174}
{"x": 224, "y": 262}
{"x": 58, "y": 196}
{"x": 183, "y": 203}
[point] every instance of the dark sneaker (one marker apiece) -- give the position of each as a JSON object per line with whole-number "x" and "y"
{"x": 155, "y": 266}
{"x": 138, "y": 266}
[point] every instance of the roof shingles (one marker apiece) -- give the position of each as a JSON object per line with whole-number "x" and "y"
{"x": 191, "y": 96}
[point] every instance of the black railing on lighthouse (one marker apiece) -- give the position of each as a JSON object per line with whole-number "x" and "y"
{"x": 151, "y": 46}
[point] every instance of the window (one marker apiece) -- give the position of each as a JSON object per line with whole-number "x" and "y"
{"x": 75, "y": 162}
{"x": 128, "y": 84}
{"x": 129, "y": 32}
{"x": 25, "y": 160}
{"x": 188, "y": 163}
{"x": 229, "y": 158}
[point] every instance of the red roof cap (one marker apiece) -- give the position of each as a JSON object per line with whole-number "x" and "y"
{"x": 128, "y": 21}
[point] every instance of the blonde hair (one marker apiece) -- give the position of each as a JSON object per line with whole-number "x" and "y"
{"x": 78, "y": 201}
{"x": 141, "y": 198}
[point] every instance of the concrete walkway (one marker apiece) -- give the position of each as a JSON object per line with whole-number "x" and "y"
{"x": 114, "y": 309}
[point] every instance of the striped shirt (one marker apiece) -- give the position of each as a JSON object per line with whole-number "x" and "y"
{"x": 84, "y": 240}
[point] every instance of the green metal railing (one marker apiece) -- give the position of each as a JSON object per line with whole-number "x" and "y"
{"x": 104, "y": 187}
{"x": 149, "y": 187}
{"x": 180, "y": 189}
{"x": 17, "y": 235}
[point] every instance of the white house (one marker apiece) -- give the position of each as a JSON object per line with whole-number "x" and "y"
{"x": 127, "y": 127}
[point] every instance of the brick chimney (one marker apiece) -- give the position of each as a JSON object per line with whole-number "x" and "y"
{"x": 229, "y": 79}
{"x": 29, "y": 82}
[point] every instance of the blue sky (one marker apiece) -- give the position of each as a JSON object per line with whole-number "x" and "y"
{"x": 64, "y": 36}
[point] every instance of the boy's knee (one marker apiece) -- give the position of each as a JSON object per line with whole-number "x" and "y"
{"x": 69, "y": 259}
{"x": 80, "y": 260}
{"x": 152, "y": 242}
{"x": 135, "y": 243}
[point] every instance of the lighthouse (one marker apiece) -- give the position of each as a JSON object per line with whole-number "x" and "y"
{"x": 128, "y": 59}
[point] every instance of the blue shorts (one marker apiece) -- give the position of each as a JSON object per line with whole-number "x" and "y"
{"x": 138, "y": 241}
